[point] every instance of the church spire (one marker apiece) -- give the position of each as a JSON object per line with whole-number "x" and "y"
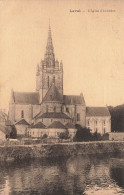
{"x": 49, "y": 55}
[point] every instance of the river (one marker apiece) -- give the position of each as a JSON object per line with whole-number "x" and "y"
{"x": 85, "y": 175}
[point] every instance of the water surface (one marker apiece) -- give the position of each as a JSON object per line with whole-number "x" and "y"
{"x": 86, "y": 175}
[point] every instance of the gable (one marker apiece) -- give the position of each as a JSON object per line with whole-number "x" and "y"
{"x": 53, "y": 95}
{"x": 22, "y": 122}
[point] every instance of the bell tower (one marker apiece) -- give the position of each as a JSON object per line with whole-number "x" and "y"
{"x": 49, "y": 70}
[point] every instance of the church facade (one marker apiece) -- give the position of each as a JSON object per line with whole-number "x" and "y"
{"x": 49, "y": 105}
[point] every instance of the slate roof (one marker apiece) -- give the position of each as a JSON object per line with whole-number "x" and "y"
{"x": 70, "y": 126}
{"x": 22, "y": 122}
{"x": 53, "y": 95}
{"x": 38, "y": 125}
{"x": 97, "y": 111}
{"x": 56, "y": 125}
{"x": 73, "y": 99}
{"x": 54, "y": 115}
{"x": 26, "y": 97}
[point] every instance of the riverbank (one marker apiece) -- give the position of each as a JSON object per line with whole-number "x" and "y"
{"x": 10, "y": 153}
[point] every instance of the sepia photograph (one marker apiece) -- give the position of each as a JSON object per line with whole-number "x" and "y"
{"x": 61, "y": 97}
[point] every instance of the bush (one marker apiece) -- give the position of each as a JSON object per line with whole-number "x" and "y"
{"x": 13, "y": 133}
{"x": 64, "y": 135}
{"x": 98, "y": 137}
{"x": 44, "y": 136}
{"x": 82, "y": 134}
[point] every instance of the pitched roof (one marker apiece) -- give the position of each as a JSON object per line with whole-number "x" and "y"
{"x": 74, "y": 99}
{"x": 97, "y": 111}
{"x": 70, "y": 126}
{"x": 26, "y": 97}
{"x": 22, "y": 122}
{"x": 54, "y": 115}
{"x": 38, "y": 125}
{"x": 56, "y": 124}
{"x": 53, "y": 95}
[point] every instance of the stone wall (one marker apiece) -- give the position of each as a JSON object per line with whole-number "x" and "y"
{"x": 56, "y": 150}
{"x": 116, "y": 136}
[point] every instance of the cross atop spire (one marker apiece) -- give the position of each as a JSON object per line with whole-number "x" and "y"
{"x": 49, "y": 55}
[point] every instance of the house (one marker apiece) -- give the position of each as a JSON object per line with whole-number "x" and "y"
{"x": 98, "y": 119}
{"x": 21, "y": 127}
{"x": 37, "y": 131}
{"x": 55, "y": 129}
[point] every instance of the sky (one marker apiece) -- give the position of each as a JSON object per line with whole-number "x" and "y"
{"x": 90, "y": 43}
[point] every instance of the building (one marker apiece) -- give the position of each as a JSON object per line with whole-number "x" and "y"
{"x": 21, "y": 127}
{"x": 37, "y": 131}
{"x": 98, "y": 119}
{"x": 48, "y": 104}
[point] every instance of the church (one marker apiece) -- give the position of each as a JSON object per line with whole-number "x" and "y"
{"x": 48, "y": 108}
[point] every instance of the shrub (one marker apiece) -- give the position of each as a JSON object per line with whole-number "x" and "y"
{"x": 82, "y": 134}
{"x": 44, "y": 136}
{"x": 64, "y": 135}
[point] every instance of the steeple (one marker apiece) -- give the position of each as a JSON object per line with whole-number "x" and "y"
{"x": 49, "y": 57}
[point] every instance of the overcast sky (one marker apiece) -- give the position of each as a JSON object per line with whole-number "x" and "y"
{"x": 91, "y": 46}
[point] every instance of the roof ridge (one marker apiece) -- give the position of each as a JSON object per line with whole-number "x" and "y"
{"x": 57, "y": 124}
{"x": 25, "y": 92}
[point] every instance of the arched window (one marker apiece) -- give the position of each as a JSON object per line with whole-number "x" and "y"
{"x": 22, "y": 114}
{"x": 54, "y": 79}
{"x": 48, "y": 82}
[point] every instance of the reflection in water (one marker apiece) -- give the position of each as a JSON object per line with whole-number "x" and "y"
{"x": 83, "y": 175}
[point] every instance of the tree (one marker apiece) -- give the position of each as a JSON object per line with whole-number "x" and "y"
{"x": 64, "y": 135}
{"x": 44, "y": 136}
{"x": 13, "y": 133}
{"x": 117, "y": 118}
{"x": 82, "y": 134}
